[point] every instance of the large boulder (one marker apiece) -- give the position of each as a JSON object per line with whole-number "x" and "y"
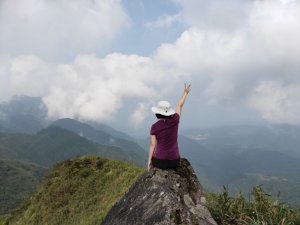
{"x": 163, "y": 197}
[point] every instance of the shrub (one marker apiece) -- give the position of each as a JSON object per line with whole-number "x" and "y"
{"x": 259, "y": 209}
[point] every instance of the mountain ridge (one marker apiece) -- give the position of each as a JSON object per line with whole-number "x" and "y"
{"x": 77, "y": 191}
{"x": 45, "y": 147}
{"x": 132, "y": 149}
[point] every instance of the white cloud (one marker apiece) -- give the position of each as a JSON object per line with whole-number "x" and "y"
{"x": 90, "y": 88}
{"x": 59, "y": 29}
{"x": 93, "y": 88}
{"x": 164, "y": 21}
{"x": 275, "y": 30}
{"x": 25, "y": 75}
{"x": 229, "y": 64}
{"x": 140, "y": 114}
{"x": 227, "y": 61}
{"x": 196, "y": 50}
{"x": 215, "y": 14}
{"x": 278, "y": 103}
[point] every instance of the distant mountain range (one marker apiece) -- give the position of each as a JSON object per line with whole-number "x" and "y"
{"x": 235, "y": 156}
{"x": 134, "y": 153}
{"x": 23, "y": 114}
{"x": 55, "y": 144}
{"x": 243, "y": 156}
{"x": 28, "y": 116}
{"x": 280, "y": 138}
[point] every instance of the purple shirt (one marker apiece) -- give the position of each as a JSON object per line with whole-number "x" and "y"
{"x": 166, "y": 132}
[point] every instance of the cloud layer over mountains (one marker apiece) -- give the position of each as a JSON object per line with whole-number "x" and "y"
{"x": 57, "y": 30}
{"x": 244, "y": 53}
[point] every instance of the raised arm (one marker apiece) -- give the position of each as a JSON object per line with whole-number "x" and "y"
{"x": 186, "y": 90}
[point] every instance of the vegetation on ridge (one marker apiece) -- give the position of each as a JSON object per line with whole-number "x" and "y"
{"x": 78, "y": 192}
{"x": 259, "y": 209}
{"x": 83, "y": 190}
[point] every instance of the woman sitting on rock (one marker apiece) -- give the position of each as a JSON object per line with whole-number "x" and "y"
{"x": 164, "y": 151}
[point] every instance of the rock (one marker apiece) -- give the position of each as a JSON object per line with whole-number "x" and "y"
{"x": 163, "y": 197}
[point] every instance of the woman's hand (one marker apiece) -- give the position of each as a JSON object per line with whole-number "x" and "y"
{"x": 149, "y": 165}
{"x": 187, "y": 88}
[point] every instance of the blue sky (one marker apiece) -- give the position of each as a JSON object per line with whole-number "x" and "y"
{"x": 142, "y": 40}
{"x": 111, "y": 60}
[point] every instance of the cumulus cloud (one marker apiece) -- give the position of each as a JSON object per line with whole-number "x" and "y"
{"x": 244, "y": 51}
{"x": 277, "y": 102}
{"x": 140, "y": 114}
{"x": 233, "y": 59}
{"x": 59, "y": 29}
{"x": 93, "y": 88}
{"x": 25, "y": 75}
{"x": 90, "y": 88}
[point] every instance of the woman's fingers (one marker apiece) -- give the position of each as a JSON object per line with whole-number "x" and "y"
{"x": 187, "y": 88}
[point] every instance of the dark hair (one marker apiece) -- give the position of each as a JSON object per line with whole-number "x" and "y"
{"x": 160, "y": 116}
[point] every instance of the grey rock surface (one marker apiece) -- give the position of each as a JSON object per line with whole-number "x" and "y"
{"x": 163, "y": 197}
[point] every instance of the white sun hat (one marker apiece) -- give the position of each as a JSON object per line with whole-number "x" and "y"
{"x": 163, "y": 108}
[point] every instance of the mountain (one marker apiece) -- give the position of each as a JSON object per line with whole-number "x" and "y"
{"x": 133, "y": 151}
{"x": 77, "y": 192}
{"x": 163, "y": 197}
{"x": 111, "y": 131}
{"x": 280, "y": 138}
{"x": 54, "y": 144}
{"x": 23, "y": 114}
{"x": 18, "y": 180}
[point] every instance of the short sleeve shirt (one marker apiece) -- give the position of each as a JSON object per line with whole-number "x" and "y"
{"x": 166, "y": 132}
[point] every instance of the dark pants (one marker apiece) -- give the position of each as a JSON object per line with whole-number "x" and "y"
{"x": 165, "y": 163}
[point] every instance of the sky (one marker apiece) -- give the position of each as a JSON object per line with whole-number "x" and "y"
{"x": 110, "y": 61}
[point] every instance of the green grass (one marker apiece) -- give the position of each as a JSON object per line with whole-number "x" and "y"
{"x": 3, "y": 218}
{"x": 78, "y": 192}
{"x": 259, "y": 209}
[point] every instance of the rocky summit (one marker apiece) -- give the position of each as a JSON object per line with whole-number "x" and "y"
{"x": 163, "y": 197}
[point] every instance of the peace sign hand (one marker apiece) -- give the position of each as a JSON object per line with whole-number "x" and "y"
{"x": 187, "y": 88}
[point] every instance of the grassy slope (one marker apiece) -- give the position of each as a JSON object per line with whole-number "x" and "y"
{"x": 78, "y": 192}
{"x": 18, "y": 180}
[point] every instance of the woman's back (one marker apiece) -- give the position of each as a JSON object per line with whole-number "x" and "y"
{"x": 166, "y": 132}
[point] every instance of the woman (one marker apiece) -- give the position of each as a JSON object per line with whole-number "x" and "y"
{"x": 164, "y": 151}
